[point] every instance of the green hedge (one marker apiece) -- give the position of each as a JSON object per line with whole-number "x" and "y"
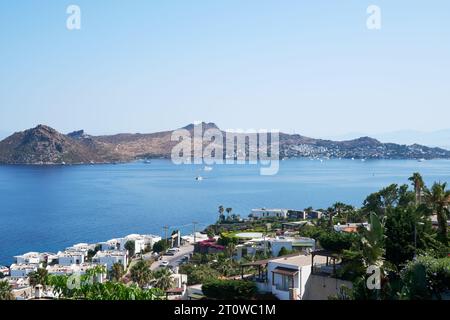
{"x": 229, "y": 289}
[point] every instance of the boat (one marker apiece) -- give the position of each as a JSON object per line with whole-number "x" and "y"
{"x": 199, "y": 178}
{"x": 147, "y": 161}
{"x": 421, "y": 160}
{"x": 206, "y": 168}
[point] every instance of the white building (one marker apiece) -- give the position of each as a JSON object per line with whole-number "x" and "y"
{"x": 141, "y": 242}
{"x": 81, "y": 247}
{"x": 28, "y": 258}
{"x": 269, "y": 213}
{"x": 287, "y": 277}
{"x": 274, "y": 246}
{"x": 291, "y": 243}
{"x": 68, "y": 258}
{"x": 22, "y": 270}
{"x": 110, "y": 257}
{"x": 113, "y": 244}
{"x": 80, "y": 269}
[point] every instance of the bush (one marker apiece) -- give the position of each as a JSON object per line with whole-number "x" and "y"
{"x": 229, "y": 290}
{"x": 426, "y": 278}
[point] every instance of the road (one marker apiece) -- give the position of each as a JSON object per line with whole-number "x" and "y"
{"x": 175, "y": 259}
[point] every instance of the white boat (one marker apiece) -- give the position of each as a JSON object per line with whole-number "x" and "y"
{"x": 206, "y": 168}
{"x": 199, "y": 178}
{"x": 421, "y": 160}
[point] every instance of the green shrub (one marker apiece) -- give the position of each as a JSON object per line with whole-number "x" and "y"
{"x": 229, "y": 289}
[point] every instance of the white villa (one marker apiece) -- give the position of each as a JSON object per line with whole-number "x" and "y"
{"x": 28, "y": 258}
{"x": 274, "y": 246}
{"x": 298, "y": 277}
{"x": 110, "y": 257}
{"x": 140, "y": 242}
{"x": 288, "y": 276}
{"x": 73, "y": 269}
{"x": 81, "y": 247}
{"x": 68, "y": 258}
{"x": 269, "y": 213}
{"x": 22, "y": 270}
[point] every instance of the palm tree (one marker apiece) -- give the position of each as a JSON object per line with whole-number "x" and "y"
{"x": 418, "y": 185}
{"x": 438, "y": 199}
{"x": 117, "y": 271}
{"x": 163, "y": 279}
{"x": 39, "y": 277}
{"x": 221, "y": 210}
{"x": 141, "y": 273}
{"x": 228, "y": 210}
{"x": 5, "y": 291}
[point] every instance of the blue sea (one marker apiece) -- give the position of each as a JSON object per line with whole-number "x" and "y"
{"x": 48, "y": 208}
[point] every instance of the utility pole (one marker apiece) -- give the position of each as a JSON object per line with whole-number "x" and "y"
{"x": 165, "y": 233}
{"x": 194, "y": 223}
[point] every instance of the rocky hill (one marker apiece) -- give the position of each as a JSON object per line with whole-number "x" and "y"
{"x": 44, "y": 145}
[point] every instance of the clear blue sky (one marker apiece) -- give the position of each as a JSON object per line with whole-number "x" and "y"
{"x": 144, "y": 66}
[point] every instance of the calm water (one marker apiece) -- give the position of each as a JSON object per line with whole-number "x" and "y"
{"x": 50, "y": 208}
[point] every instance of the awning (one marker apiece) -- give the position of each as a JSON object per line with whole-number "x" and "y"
{"x": 285, "y": 271}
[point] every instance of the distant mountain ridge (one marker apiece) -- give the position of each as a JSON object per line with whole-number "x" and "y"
{"x": 45, "y": 145}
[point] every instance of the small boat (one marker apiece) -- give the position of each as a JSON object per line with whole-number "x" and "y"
{"x": 147, "y": 161}
{"x": 206, "y": 168}
{"x": 199, "y": 178}
{"x": 421, "y": 160}
{"x": 363, "y": 160}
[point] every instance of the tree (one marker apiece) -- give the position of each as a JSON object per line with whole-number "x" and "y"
{"x": 131, "y": 247}
{"x": 117, "y": 271}
{"x": 163, "y": 279}
{"x": 418, "y": 184}
{"x": 228, "y": 210}
{"x": 141, "y": 273}
{"x": 221, "y": 216}
{"x": 403, "y": 227}
{"x": 5, "y": 291}
{"x": 39, "y": 277}
{"x": 438, "y": 199}
{"x": 102, "y": 291}
{"x": 370, "y": 252}
{"x": 160, "y": 246}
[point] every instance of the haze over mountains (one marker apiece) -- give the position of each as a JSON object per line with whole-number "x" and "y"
{"x": 45, "y": 145}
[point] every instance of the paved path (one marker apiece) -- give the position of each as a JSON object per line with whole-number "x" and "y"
{"x": 176, "y": 259}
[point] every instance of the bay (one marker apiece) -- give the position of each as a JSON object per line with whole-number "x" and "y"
{"x": 48, "y": 208}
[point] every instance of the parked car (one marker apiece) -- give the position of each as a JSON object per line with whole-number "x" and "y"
{"x": 164, "y": 263}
